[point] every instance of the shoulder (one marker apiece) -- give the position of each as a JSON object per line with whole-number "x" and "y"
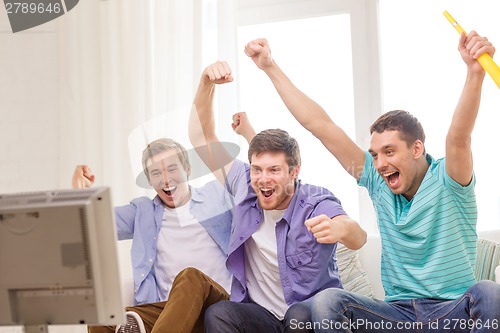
{"x": 316, "y": 200}
{"x": 142, "y": 199}
{"x": 312, "y": 194}
{"x": 210, "y": 188}
{"x": 438, "y": 168}
{"x": 238, "y": 167}
{"x": 143, "y": 202}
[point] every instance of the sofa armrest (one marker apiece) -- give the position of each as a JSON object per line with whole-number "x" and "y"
{"x": 487, "y": 260}
{"x": 369, "y": 255}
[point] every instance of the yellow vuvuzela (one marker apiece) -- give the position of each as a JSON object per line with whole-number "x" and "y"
{"x": 484, "y": 59}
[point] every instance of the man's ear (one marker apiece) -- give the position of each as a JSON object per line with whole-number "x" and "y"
{"x": 145, "y": 171}
{"x": 188, "y": 172}
{"x": 418, "y": 149}
{"x": 295, "y": 172}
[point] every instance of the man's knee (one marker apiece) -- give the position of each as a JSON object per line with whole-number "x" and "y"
{"x": 190, "y": 272}
{"x": 218, "y": 313}
{"x": 189, "y": 277}
{"x": 300, "y": 312}
{"x": 485, "y": 291}
{"x": 298, "y": 318}
{"x": 330, "y": 302}
{"x": 333, "y": 298}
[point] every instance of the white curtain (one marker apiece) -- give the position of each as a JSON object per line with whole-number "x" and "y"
{"x": 129, "y": 71}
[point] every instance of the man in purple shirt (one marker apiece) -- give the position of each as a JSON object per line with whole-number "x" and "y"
{"x": 285, "y": 233}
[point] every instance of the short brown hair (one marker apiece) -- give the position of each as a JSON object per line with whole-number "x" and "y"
{"x": 275, "y": 141}
{"x": 162, "y": 145}
{"x": 402, "y": 121}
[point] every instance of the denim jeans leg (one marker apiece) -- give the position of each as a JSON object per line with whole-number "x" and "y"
{"x": 340, "y": 311}
{"x": 231, "y": 317}
{"x": 477, "y": 311}
{"x": 298, "y": 318}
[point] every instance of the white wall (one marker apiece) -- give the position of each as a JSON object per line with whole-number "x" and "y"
{"x": 29, "y": 107}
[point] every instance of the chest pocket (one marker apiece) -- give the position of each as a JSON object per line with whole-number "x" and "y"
{"x": 302, "y": 266}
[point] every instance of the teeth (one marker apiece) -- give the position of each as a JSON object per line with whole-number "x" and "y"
{"x": 387, "y": 174}
{"x": 267, "y": 191}
{"x": 170, "y": 188}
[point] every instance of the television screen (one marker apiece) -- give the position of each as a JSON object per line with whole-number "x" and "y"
{"x": 58, "y": 259}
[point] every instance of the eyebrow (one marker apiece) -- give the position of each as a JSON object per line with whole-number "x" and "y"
{"x": 370, "y": 150}
{"x": 269, "y": 167}
{"x": 160, "y": 166}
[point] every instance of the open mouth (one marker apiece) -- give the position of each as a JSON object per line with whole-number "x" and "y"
{"x": 169, "y": 190}
{"x": 392, "y": 178}
{"x": 267, "y": 192}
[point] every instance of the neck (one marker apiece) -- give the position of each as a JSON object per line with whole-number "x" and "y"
{"x": 422, "y": 167}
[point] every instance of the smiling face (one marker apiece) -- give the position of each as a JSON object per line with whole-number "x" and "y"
{"x": 272, "y": 180}
{"x": 169, "y": 178}
{"x": 398, "y": 163}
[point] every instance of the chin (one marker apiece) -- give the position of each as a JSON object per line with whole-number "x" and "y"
{"x": 169, "y": 204}
{"x": 267, "y": 205}
{"x": 396, "y": 191}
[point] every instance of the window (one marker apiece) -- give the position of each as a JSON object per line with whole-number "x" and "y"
{"x": 322, "y": 68}
{"x": 424, "y": 74}
{"x": 327, "y": 48}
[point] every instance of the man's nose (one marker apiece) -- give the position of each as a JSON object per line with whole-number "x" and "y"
{"x": 164, "y": 179}
{"x": 380, "y": 162}
{"x": 264, "y": 176}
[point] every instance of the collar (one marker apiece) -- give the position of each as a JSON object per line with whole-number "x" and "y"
{"x": 429, "y": 158}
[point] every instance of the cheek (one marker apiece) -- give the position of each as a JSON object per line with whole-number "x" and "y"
{"x": 254, "y": 181}
{"x": 155, "y": 182}
{"x": 285, "y": 181}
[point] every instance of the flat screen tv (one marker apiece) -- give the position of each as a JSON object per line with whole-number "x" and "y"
{"x": 58, "y": 259}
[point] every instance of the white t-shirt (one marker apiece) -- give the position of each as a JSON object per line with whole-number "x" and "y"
{"x": 183, "y": 242}
{"x": 261, "y": 266}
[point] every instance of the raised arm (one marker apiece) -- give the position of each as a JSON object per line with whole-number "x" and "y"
{"x": 201, "y": 126}
{"x": 83, "y": 177}
{"x": 458, "y": 140}
{"x": 307, "y": 112}
{"x": 242, "y": 126}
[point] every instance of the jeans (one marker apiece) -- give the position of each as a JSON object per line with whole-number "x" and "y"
{"x": 478, "y": 310}
{"x": 231, "y": 317}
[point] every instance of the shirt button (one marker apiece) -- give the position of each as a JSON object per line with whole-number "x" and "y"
{"x": 299, "y": 262}
{"x": 150, "y": 260}
{"x": 142, "y": 275}
{"x": 241, "y": 238}
{"x": 242, "y": 291}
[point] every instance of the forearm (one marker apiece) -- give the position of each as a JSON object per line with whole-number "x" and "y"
{"x": 315, "y": 119}
{"x": 201, "y": 130}
{"x": 466, "y": 112}
{"x": 307, "y": 112}
{"x": 201, "y": 127}
{"x": 249, "y": 134}
{"x": 353, "y": 236}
